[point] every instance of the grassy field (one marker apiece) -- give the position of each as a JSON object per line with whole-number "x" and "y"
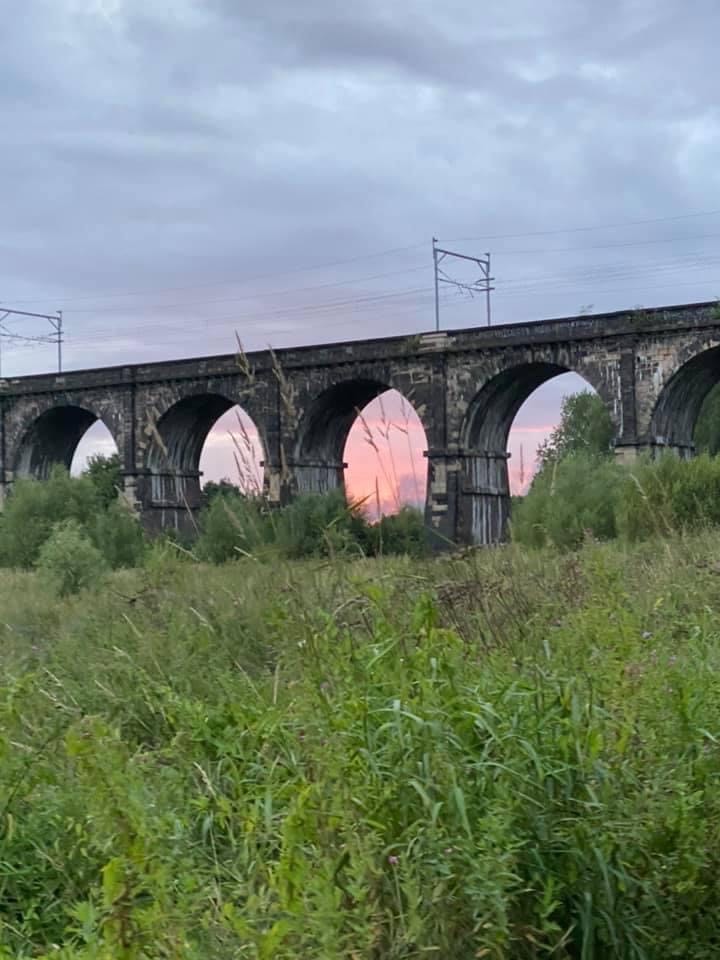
{"x": 508, "y": 754}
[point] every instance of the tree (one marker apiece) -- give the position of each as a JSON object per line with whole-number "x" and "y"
{"x": 585, "y": 427}
{"x": 219, "y": 488}
{"x": 576, "y": 496}
{"x": 68, "y": 559}
{"x": 105, "y": 473}
{"x": 707, "y": 427}
{"x": 36, "y": 506}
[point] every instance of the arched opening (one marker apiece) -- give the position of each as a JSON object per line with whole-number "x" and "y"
{"x": 193, "y": 434}
{"x": 233, "y": 453}
{"x": 534, "y": 423}
{"x": 367, "y": 438}
{"x": 384, "y": 451}
{"x": 54, "y": 437}
{"x": 506, "y": 423}
{"x": 97, "y": 441}
{"x": 687, "y": 394}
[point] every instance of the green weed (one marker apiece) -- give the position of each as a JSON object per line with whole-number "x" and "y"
{"x": 503, "y": 755}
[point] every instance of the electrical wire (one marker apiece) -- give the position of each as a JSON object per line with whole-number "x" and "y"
{"x": 392, "y": 251}
{"x": 586, "y": 229}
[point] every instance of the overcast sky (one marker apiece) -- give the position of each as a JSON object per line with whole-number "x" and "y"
{"x": 175, "y": 171}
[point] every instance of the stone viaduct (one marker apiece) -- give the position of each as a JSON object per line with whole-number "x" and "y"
{"x": 652, "y": 368}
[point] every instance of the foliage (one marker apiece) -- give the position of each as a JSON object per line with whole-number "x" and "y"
{"x": 35, "y": 507}
{"x": 231, "y": 525}
{"x": 219, "y": 488}
{"x": 105, "y": 473}
{"x": 508, "y": 755}
{"x": 403, "y": 532}
{"x": 68, "y": 560}
{"x": 569, "y": 500}
{"x": 582, "y": 495}
{"x": 707, "y": 426}
{"x": 669, "y": 494}
{"x": 585, "y": 427}
{"x": 574, "y": 491}
{"x": 312, "y": 525}
{"x": 117, "y": 533}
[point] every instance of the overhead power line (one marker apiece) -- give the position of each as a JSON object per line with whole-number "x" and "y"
{"x": 256, "y": 296}
{"x": 711, "y": 285}
{"x": 584, "y": 229}
{"x": 611, "y": 246}
{"x": 257, "y": 318}
{"x": 388, "y": 252}
{"x": 358, "y": 303}
{"x": 350, "y": 281}
{"x": 55, "y": 337}
{"x": 544, "y": 283}
{"x": 226, "y": 283}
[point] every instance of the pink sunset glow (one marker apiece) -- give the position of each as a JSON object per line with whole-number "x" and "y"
{"x": 394, "y": 464}
{"x": 385, "y": 451}
{"x": 386, "y": 466}
{"x": 522, "y": 447}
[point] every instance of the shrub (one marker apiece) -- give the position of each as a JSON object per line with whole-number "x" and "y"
{"x": 320, "y": 525}
{"x": 68, "y": 559}
{"x": 219, "y": 488}
{"x": 35, "y": 506}
{"x": 118, "y": 535}
{"x": 651, "y": 498}
{"x": 312, "y": 525}
{"x": 105, "y": 473}
{"x": 659, "y": 496}
{"x": 568, "y": 500}
{"x": 232, "y": 524}
{"x": 399, "y": 533}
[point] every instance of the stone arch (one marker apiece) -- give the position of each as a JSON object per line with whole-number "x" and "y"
{"x": 181, "y": 431}
{"x": 51, "y": 438}
{"x": 673, "y": 418}
{"x": 317, "y": 461}
{"x": 97, "y": 441}
{"x": 491, "y": 413}
{"x": 484, "y": 439}
{"x": 318, "y": 455}
{"x": 172, "y": 458}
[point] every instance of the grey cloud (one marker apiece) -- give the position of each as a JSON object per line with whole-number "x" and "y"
{"x": 209, "y": 141}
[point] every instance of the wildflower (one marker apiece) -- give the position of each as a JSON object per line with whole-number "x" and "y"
{"x": 393, "y": 860}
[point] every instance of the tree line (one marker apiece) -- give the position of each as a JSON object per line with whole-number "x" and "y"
{"x": 579, "y": 491}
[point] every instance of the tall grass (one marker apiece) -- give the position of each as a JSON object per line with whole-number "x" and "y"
{"x": 311, "y": 525}
{"x": 582, "y": 496}
{"x": 502, "y": 755}
{"x": 381, "y": 438}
